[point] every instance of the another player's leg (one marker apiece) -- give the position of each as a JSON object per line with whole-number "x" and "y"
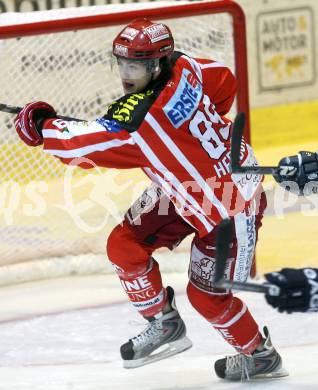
{"x": 228, "y": 314}
{"x": 130, "y": 248}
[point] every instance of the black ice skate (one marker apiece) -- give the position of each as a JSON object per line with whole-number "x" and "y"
{"x": 263, "y": 364}
{"x": 168, "y": 332}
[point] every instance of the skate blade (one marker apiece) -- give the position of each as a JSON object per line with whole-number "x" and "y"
{"x": 171, "y": 349}
{"x": 280, "y": 373}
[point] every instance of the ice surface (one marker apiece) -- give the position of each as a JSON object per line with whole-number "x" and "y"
{"x": 67, "y": 333}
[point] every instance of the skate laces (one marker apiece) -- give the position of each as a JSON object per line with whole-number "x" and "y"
{"x": 240, "y": 363}
{"x": 153, "y": 331}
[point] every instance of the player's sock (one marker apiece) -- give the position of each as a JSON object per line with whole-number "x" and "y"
{"x": 238, "y": 327}
{"x": 145, "y": 290}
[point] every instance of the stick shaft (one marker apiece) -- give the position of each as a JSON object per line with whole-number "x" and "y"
{"x": 223, "y": 238}
{"x": 261, "y": 170}
{"x": 236, "y": 141}
{"x": 16, "y": 110}
{"x": 248, "y": 286}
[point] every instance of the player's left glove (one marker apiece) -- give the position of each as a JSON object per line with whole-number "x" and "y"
{"x": 28, "y": 123}
{"x": 294, "y": 172}
{"x": 298, "y": 290}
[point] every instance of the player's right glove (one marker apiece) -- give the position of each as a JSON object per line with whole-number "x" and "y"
{"x": 28, "y": 123}
{"x": 298, "y": 290}
{"x": 294, "y": 172}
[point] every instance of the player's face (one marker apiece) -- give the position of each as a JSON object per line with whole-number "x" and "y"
{"x": 135, "y": 75}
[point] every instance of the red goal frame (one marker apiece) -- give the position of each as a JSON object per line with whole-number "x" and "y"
{"x": 169, "y": 12}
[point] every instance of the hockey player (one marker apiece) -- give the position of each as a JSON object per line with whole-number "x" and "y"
{"x": 171, "y": 123}
{"x": 298, "y": 287}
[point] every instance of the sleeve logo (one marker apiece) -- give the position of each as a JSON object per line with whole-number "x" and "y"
{"x": 110, "y": 125}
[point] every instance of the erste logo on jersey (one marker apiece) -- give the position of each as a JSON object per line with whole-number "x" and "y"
{"x": 185, "y": 100}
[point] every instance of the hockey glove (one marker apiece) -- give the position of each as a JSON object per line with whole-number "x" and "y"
{"x": 298, "y": 290}
{"x": 28, "y": 123}
{"x": 295, "y": 172}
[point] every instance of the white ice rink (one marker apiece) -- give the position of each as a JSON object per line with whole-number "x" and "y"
{"x": 65, "y": 335}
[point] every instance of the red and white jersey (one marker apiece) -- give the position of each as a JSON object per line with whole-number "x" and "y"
{"x": 177, "y": 133}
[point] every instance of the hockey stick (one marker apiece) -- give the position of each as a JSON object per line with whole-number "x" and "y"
{"x": 236, "y": 141}
{"x": 223, "y": 239}
{"x": 16, "y": 110}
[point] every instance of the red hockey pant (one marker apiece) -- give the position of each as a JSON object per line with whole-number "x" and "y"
{"x": 130, "y": 247}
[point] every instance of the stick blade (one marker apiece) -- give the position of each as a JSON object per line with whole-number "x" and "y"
{"x": 223, "y": 240}
{"x": 236, "y": 140}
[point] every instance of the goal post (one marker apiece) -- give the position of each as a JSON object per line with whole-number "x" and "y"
{"x": 49, "y": 212}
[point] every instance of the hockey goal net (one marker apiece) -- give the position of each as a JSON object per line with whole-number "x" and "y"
{"x": 54, "y": 220}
